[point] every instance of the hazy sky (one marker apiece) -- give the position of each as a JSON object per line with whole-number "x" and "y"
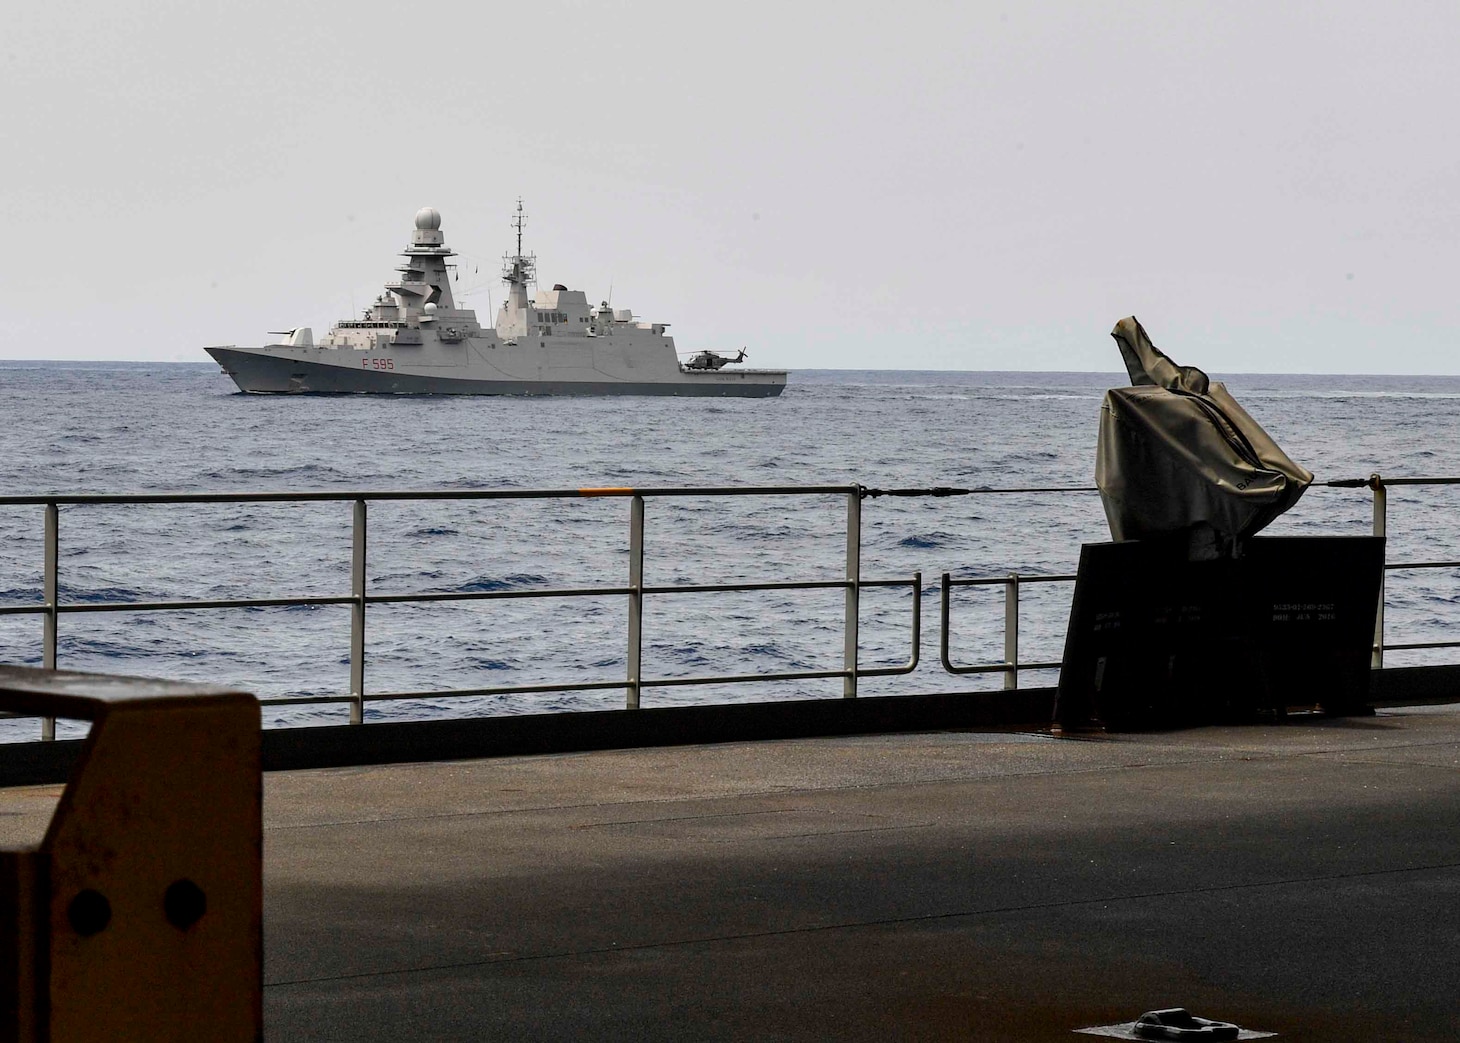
{"x": 1269, "y": 187}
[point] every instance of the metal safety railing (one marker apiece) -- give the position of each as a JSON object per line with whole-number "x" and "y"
{"x": 1380, "y": 485}
{"x": 52, "y": 607}
{"x": 1011, "y": 666}
{"x": 635, "y": 591}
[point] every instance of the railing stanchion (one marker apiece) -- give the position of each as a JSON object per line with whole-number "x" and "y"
{"x": 357, "y": 616}
{"x": 854, "y": 591}
{"x": 52, "y": 591}
{"x": 1381, "y": 526}
{"x": 636, "y": 599}
{"x": 1011, "y": 630}
{"x": 943, "y": 613}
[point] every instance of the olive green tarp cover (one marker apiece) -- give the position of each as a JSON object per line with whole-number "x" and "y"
{"x": 1177, "y": 454}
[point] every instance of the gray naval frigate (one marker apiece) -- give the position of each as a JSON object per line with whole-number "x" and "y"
{"x": 414, "y": 340}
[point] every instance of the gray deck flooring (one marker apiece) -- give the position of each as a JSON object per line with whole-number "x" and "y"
{"x": 1302, "y": 878}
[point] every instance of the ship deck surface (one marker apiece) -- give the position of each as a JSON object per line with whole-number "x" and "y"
{"x": 1299, "y": 878}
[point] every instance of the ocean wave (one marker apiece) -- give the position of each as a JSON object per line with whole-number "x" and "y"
{"x": 471, "y": 484}
{"x": 767, "y": 651}
{"x": 1348, "y": 393}
{"x": 97, "y": 595}
{"x": 684, "y": 654}
{"x": 927, "y": 541}
{"x": 488, "y": 584}
{"x": 412, "y": 576}
{"x": 129, "y": 647}
{"x": 477, "y": 663}
{"x": 293, "y": 471}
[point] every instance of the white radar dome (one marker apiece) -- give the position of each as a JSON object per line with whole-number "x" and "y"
{"x": 430, "y": 308}
{"x": 428, "y": 219}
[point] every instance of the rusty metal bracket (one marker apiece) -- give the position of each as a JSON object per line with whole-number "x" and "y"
{"x": 139, "y": 916}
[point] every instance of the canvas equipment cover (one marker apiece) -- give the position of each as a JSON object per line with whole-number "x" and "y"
{"x": 1177, "y": 455}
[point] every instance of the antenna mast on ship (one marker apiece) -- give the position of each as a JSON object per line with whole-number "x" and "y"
{"x": 520, "y": 268}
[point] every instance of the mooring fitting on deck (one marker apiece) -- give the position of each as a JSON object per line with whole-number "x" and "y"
{"x": 139, "y": 915}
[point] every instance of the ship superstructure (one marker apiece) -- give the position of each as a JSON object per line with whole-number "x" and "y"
{"x": 414, "y": 339}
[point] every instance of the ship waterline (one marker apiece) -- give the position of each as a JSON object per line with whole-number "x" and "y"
{"x": 414, "y": 340}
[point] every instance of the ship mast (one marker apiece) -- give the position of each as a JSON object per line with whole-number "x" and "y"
{"x": 520, "y": 268}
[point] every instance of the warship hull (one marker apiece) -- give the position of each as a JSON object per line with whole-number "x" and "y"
{"x": 260, "y": 371}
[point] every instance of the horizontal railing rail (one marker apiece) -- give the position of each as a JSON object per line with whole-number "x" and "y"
{"x": 382, "y": 495}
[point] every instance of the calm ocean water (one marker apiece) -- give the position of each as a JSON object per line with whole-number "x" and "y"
{"x": 169, "y": 427}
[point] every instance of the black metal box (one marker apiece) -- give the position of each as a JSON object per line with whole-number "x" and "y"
{"x": 1155, "y": 639}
